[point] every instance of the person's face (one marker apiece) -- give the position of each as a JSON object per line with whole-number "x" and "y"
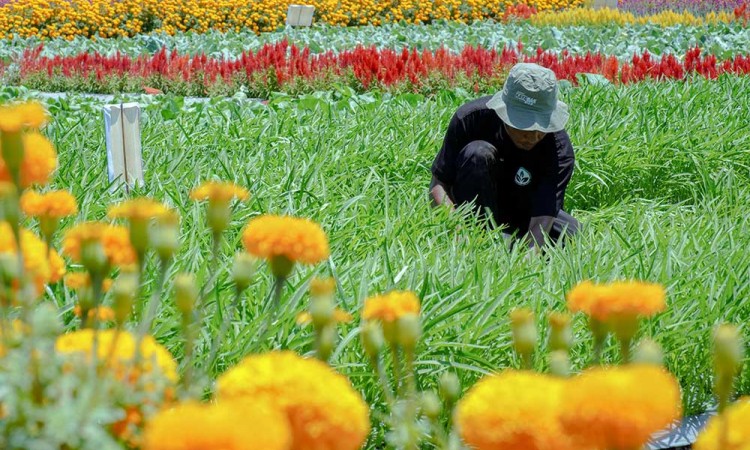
{"x": 525, "y": 140}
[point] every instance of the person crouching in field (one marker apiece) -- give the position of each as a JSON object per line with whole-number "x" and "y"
{"x": 510, "y": 157}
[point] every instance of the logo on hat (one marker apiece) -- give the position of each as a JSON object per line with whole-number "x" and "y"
{"x": 523, "y": 177}
{"x": 525, "y": 98}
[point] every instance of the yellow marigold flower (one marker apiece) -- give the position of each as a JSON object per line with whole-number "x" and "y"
{"x": 10, "y": 122}
{"x": 214, "y": 426}
{"x": 44, "y": 266}
{"x": 100, "y": 313}
{"x": 153, "y": 355}
{"x": 218, "y": 191}
{"x": 324, "y": 411}
{"x": 28, "y": 114}
{"x": 53, "y": 204}
{"x": 39, "y": 161}
{"x": 514, "y": 410}
{"x": 114, "y": 238}
{"x": 294, "y": 238}
{"x": 391, "y": 306}
{"x": 339, "y": 316}
{"x": 618, "y": 408}
{"x": 622, "y": 298}
{"x": 137, "y": 209}
{"x": 734, "y": 420}
{"x": 32, "y": 114}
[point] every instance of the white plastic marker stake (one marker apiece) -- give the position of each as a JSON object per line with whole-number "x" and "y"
{"x": 122, "y": 130}
{"x": 599, "y": 4}
{"x": 300, "y": 15}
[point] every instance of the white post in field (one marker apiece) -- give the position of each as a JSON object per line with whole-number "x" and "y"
{"x": 122, "y": 130}
{"x": 599, "y": 4}
{"x": 300, "y": 15}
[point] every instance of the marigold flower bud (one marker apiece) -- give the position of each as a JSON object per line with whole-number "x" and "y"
{"x": 326, "y": 342}
{"x": 408, "y": 331}
{"x": 431, "y": 405}
{"x": 93, "y": 257}
{"x": 165, "y": 235}
{"x": 321, "y": 311}
{"x": 372, "y": 338}
{"x": 124, "y": 291}
{"x": 648, "y": 352}
{"x": 243, "y": 270}
{"x": 219, "y": 215}
{"x": 561, "y": 335}
{"x": 45, "y": 322}
{"x": 449, "y": 387}
{"x": 559, "y": 363}
{"x": 727, "y": 360}
{"x": 322, "y": 286}
{"x": 524, "y": 331}
{"x": 727, "y": 349}
{"x": 186, "y": 293}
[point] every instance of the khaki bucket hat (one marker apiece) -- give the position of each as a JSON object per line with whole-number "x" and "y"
{"x": 529, "y": 101}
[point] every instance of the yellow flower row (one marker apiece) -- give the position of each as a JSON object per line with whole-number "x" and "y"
{"x": 52, "y": 19}
{"x": 606, "y": 16}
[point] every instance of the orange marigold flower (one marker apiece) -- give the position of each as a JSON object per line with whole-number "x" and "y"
{"x": 324, "y": 411}
{"x": 39, "y": 161}
{"x": 44, "y": 266}
{"x": 621, "y": 298}
{"x": 391, "y": 306}
{"x": 217, "y": 191}
{"x": 294, "y": 238}
{"x": 100, "y": 313}
{"x": 734, "y": 420}
{"x": 114, "y": 238}
{"x": 137, "y": 209}
{"x": 154, "y": 357}
{"x": 195, "y": 426}
{"x": 339, "y": 316}
{"x": 620, "y": 407}
{"x": 53, "y": 204}
{"x": 514, "y": 410}
{"x": 81, "y": 280}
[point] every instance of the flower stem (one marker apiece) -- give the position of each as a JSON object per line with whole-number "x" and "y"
{"x": 218, "y": 339}
{"x": 275, "y": 304}
{"x": 153, "y": 305}
{"x": 396, "y": 362}
{"x": 598, "y": 348}
{"x": 377, "y": 363}
{"x": 411, "y": 382}
{"x": 187, "y": 377}
{"x": 625, "y": 350}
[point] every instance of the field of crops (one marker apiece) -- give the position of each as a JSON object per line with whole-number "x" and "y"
{"x": 437, "y": 333}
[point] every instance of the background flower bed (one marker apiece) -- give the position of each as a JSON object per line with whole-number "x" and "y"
{"x": 50, "y": 19}
{"x": 100, "y": 18}
{"x": 697, "y": 7}
{"x": 281, "y": 67}
{"x": 722, "y": 40}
